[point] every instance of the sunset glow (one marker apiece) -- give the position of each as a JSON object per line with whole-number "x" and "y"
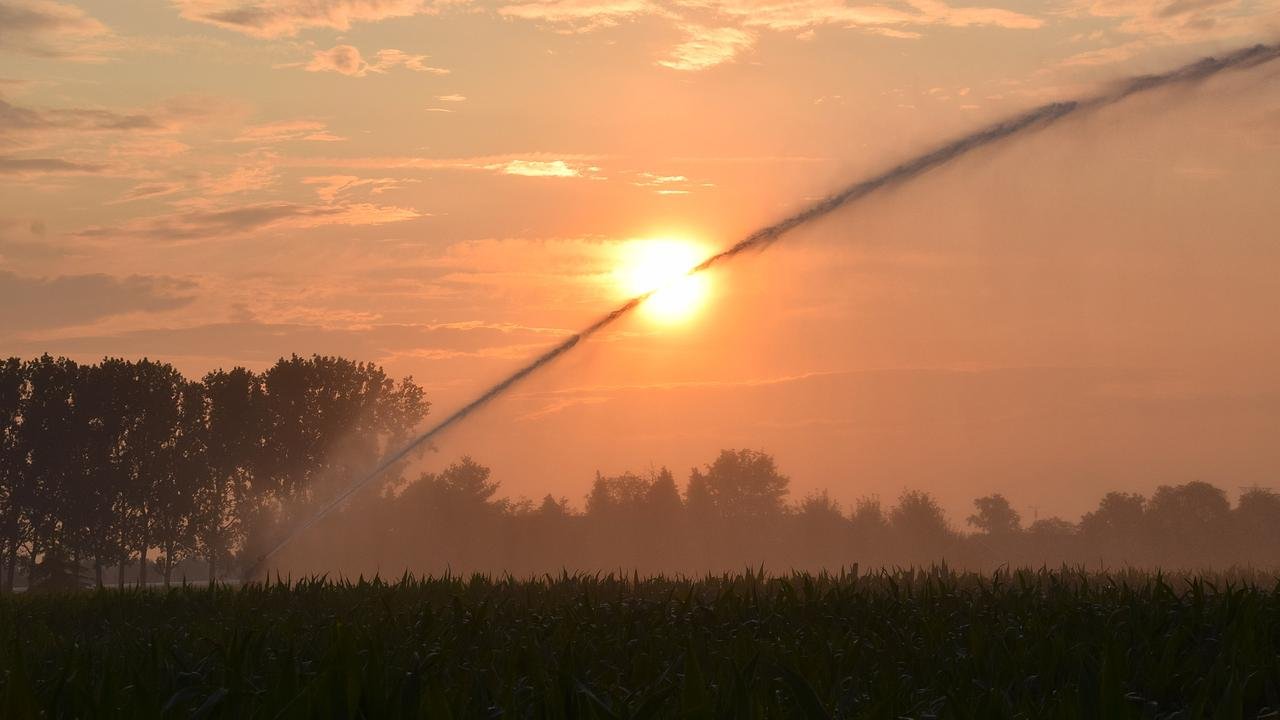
{"x": 663, "y": 265}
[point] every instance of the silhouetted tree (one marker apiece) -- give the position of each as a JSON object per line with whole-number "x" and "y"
{"x": 919, "y": 524}
{"x": 152, "y": 403}
{"x": 995, "y": 516}
{"x": 553, "y": 507}
{"x": 1188, "y": 522}
{"x": 697, "y": 497}
{"x": 746, "y": 484}
{"x": 327, "y": 421}
{"x": 50, "y": 428}
{"x": 13, "y": 469}
{"x": 1256, "y": 521}
{"x": 616, "y": 494}
{"x": 823, "y": 531}
{"x": 329, "y": 418}
{"x": 105, "y": 475}
{"x": 236, "y": 440}
{"x": 1113, "y": 532}
{"x": 869, "y": 530}
{"x": 452, "y": 514}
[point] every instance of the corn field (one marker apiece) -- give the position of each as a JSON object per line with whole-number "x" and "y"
{"x": 916, "y": 644}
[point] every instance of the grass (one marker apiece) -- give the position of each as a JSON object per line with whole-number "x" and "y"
{"x": 915, "y": 644}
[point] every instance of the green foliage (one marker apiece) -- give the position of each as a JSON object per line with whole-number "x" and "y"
{"x": 910, "y": 644}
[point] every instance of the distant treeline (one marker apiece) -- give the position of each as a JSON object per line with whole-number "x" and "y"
{"x": 734, "y": 514}
{"x": 112, "y": 469}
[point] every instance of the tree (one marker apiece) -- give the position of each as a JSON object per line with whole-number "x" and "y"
{"x": 920, "y": 526}
{"x": 102, "y": 475}
{"x": 995, "y": 516}
{"x": 327, "y": 422}
{"x": 154, "y": 498}
{"x": 818, "y": 507}
{"x": 616, "y": 494}
{"x": 662, "y": 497}
{"x": 1193, "y": 505}
{"x": 1051, "y": 529}
{"x": 823, "y": 531}
{"x": 552, "y": 507}
{"x": 235, "y": 435}
{"x": 746, "y": 485}
{"x": 49, "y": 429}
{"x": 463, "y": 485}
{"x": 13, "y": 469}
{"x": 452, "y": 514}
{"x": 868, "y": 515}
{"x": 1188, "y": 523}
{"x": 697, "y": 498}
{"x": 177, "y": 490}
{"x": 328, "y": 418}
{"x": 869, "y": 529}
{"x": 1256, "y": 520}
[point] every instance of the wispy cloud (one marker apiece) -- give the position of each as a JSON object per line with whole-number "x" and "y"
{"x": 255, "y": 340}
{"x": 802, "y": 15}
{"x": 669, "y": 184}
{"x": 237, "y": 220}
{"x": 283, "y": 18}
{"x": 254, "y": 172}
{"x": 347, "y": 60}
{"x": 148, "y": 191}
{"x": 571, "y": 161}
{"x": 707, "y": 47}
{"x": 736, "y": 21}
{"x": 330, "y": 187}
{"x": 537, "y": 168}
{"x": 10, "y": 165}
{"x": 288, "y": 130}
{"x": 1137, "y": 26}
{"x": 42, "y": 302}
{"x": 41, "y": 126}
{"x": 581, "y": 15}
{"x": 45, "y": 28}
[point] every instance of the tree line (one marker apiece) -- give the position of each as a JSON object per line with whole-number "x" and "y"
{"x": 124, "y": 468}
{"x": 735, "y": 512}
{"x": 128, "y": 462}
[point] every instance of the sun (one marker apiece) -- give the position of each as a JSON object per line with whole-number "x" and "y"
{"x": 663, "y": 265}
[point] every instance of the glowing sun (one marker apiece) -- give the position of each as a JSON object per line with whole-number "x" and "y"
{"x": 663, "y": 265}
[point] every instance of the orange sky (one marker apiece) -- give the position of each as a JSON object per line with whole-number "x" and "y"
{"x": 448, "y": 188}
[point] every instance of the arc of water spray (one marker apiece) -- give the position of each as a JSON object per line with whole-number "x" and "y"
{"x": 1036, "y": 119}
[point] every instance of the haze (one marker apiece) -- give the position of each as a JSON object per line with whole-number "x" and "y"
{"x": 449, "y": 189}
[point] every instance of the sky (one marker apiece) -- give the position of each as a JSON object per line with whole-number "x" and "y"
{"x": 448, "y": 188}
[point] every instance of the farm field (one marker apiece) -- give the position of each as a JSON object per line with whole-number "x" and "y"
{"x": 914, "y": 644}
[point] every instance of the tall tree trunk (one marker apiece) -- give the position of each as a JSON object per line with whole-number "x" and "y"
{"x": 10, "y": 565}
{"x": 213, "y": 566}
{"x": 168, "y": 566}
{"x": 120, "y": 571}
{"x": 31, "y": 564}
{"x": 142, "y": 554}
{"x": 97, "y": 571}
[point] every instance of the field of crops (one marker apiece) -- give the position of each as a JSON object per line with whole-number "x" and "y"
{"x": 936, "y": 644}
